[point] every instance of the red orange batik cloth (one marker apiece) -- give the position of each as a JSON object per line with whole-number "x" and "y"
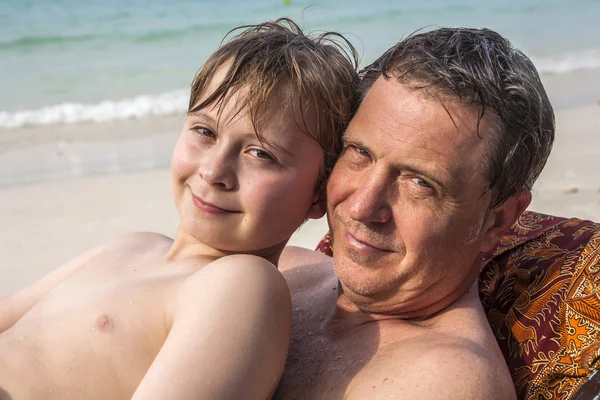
{"x": 540, "y": 289}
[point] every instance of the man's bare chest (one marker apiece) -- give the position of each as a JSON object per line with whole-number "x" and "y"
{"x": 324, "y": 367}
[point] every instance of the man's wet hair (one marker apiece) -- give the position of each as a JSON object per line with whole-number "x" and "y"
{"x": 481, "y": 68}
{"x": 275, "y": 63}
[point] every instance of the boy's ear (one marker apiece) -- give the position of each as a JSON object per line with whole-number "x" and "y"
{"x": 318, "y": 208}
{"x": 503, "y": 217}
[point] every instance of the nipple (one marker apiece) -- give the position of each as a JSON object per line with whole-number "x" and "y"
{"x": 104, "y": 323}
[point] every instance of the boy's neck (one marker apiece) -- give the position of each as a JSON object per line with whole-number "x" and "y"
{"x": 185, "y": 247}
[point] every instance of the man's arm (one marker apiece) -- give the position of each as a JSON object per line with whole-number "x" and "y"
{"x": 229, "y": 335}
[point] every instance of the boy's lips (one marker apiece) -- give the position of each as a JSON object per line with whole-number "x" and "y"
{"x": 209, "y": 207}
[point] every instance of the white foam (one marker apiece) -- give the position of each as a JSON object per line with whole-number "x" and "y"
{"x": 176, "y": 101}
{"x": 589, "y": 59}
{"x": 71, "y": 113}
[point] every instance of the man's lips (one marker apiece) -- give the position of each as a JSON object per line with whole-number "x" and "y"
{"x": 361, "y": 245}
{"x": 209, "y": 207}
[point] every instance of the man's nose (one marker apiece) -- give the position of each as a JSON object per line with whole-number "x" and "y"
{"x": 218, "y": 168}
{"x": 370, "y": 202}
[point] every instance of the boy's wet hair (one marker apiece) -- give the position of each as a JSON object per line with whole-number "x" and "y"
{"x": 275, "y": 60}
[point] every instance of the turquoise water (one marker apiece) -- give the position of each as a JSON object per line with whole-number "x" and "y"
{"x": 64, "y": 61}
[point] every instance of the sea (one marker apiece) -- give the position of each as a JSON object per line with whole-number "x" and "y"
{"x": 70, "y": 61}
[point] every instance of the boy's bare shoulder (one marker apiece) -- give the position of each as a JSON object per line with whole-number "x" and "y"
{"x": 138, "y": 240}
{"x": 237, "y": 278}
{"x": 236, "y": 267}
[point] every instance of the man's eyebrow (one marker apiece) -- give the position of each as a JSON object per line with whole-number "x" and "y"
{"x": 428, "y": 174}
{"x": 437, "y": 178}
{"x": 349, "y": 138}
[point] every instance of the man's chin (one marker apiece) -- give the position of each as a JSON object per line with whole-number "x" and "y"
{"x": 361, "y": 282}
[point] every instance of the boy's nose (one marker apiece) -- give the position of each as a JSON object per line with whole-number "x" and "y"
{"x": 218, "y": 170}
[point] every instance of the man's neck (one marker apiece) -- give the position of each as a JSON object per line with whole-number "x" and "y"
{"x": 368, "y": 306}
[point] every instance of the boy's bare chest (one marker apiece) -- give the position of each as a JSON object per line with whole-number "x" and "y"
{"x": 102, "y": 326}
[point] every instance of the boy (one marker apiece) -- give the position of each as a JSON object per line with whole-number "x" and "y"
{"x": 204, "y": 315}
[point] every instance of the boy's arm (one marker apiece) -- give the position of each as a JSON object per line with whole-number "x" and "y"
{"x": 14, "y": 305}
{"x": 229, "y": 335}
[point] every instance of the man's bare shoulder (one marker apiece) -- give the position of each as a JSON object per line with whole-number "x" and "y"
{"x": 293, "y": 257}
{"x": 451, "y": 355}
{"x": 442, "y": 368}
{"x": 303, "y": 268}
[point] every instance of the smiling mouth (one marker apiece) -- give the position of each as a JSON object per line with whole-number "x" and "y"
{"x": 361, "y": 246}
{"x": 209, "y": 207}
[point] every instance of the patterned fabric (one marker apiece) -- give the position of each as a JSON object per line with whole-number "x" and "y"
{"x": 540, "y": 289}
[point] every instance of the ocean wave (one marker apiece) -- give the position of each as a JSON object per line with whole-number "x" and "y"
{"x": 176, "y": 101}
{"x": 32, "y": 42}
{"x": 29, "y": 42}
{"x": 71, "y": 113}
{"x": 566, "y": 63}
{"x": 175, "y": 34}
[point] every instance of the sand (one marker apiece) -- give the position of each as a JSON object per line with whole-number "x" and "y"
{"x": 64, "y": 189}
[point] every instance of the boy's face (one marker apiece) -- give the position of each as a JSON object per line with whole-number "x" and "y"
{"x": 236, "y": 194}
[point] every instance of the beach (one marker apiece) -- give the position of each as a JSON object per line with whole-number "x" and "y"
{"x": 83, "y": 165}
{"x": 47, "y": 222}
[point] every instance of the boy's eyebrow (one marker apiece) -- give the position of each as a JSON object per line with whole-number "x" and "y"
{"x": 199, "y": 113}
{"x": 269, "y": 143}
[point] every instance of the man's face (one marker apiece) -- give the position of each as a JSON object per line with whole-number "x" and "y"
{"x": 236, "y": 193}
{"x": 405, "y": 200}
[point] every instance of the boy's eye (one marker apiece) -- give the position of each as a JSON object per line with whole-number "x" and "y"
{"x": 204, "y": 131}
{"x": 261, "y": 154}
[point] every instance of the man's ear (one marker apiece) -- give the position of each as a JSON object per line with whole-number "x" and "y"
{"x": 318, "y": 208}
{"x": 503, "y": 217}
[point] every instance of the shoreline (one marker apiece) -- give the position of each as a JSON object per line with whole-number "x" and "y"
{"x": 64, "y": 189}
{"x": 83, "y": 149}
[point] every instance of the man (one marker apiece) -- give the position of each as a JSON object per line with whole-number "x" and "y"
{"x": 453, "y": 128}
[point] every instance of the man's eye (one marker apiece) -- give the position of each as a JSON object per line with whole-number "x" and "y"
{"x": 203, "y": 131}
{"x": 363, "y": 152}
{"x": 261, "y": 154}
{"x": 359, "y": 151}
{"x": 423, "y": 183}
